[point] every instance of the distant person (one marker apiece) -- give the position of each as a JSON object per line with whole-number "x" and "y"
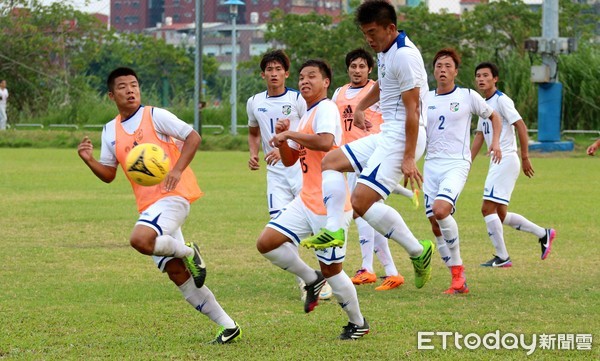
{"x": 164, "y": 207}
{"x": 359, "y": 64}
{"x": 594, "y": 147}
{"x": 319, "y": 131}
{"x": 3, "y": 99}
{"x": 502, "y": 177}
{"x": 448, "y": 159}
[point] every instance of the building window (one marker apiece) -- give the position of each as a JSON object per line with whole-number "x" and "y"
{"x": 188, "y": 15}
{"x": 117, "y": 6}
{"x": 131, "y": 20}
{"x": 135, "y": 4}
{"x": 176, "y": 18}
{"x": 176, "y": 3}
{"x": 117, "y": 19}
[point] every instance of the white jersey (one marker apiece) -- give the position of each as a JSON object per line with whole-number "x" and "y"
{"x": 3, "y": 97}
{"x": 264, "y": 111}
{"x": 400, "y": 68}
{"x": 165, "y": 123}
{"x": 509, "y": 115}
{"x": 449, "y": 122}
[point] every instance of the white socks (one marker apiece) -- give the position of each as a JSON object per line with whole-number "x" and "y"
{"x": 168, "y": 246}
{"x": 345, "y": 293}
{"x": 449, "y": 230}
{"x": 334, "y": 196}
{"x": 443, "y": 250}
{"x": 496, "y": 233}
{"x": 402, "y": 191}
{"x": 521, "y": 223}
{"x": 203, "y": 300}
{"x": 366, "y": 235}
{"x": 382, "y": 250}
{"x": 288, "y": 259}
{"x": 387, "y": 221}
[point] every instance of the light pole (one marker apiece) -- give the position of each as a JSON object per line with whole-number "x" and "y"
{"x": 233, "y": 12}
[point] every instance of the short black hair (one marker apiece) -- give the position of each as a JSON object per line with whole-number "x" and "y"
{"x": 122, "y": 71}
{"x": 380, "y": 12}
{"x": 362, "y": 54}
{"x": 278, "y": 56}
{"x": 323, "y": 66}
{"x": 486, "y": 64}
{"x": 449, "y": 52}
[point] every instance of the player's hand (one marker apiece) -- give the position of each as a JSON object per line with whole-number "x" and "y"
{"x": 592, "y": 149}
{"x": 359, "y": 119}
{"x": 527, "y": 167}
{"x": 282, "y": 125}
{"x": 172, "y": 179}
{"x": 85, "y": 149}
{"x": 253, "y": 163}
{"x": 495, "y": 152}
{"x": 278, "y": 139}
{"x": 411, "y": 174}
{"x": 273, "y": 157}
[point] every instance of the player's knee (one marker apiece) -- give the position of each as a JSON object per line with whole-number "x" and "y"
{"x": 177, "y": 271}
{"x": 141, "y": 244}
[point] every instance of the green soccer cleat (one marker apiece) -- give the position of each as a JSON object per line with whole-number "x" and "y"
{"x": 422, "y": 263}
{"x": 195, "y": 264}
{"x": 325, "y": 239}
{"x": 227, "y": 335}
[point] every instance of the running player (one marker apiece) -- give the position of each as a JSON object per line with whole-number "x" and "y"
{"x": 384, "y": 158}
{"x": 319, "y": 131}
{"x": 164, "y": 207}
{"x": 448, "y": 159}
{"x": 502, "y": 177}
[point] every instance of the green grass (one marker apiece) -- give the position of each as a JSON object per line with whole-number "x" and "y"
{"x": 72, "y": 288}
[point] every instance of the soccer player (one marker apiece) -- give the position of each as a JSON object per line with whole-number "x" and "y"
{"x": 384, "y": 158}
{"x": 501, "y": 178}
{"x": 3, "y": 100}
{"x": 591, "y": 150}
{"x": 264, "y": 109}
{"x": 448, "y": 158}
{"x": 319, "y": 131}
{"x": 359, "y": 64}
{"x": 164, "y": 207}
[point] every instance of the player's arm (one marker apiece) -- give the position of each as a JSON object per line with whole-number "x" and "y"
{"x": 288, "y": 155}
{"x": 253, "y": 146}
{"x": 593, "y": 147}
{"x": 371, "y": 98}
{"x": 476, "y": 146}
{"x": 524, "y": 145}
{"x": 411, "y": 173}
{"x": 188, "y": 151}
{"x": 85, "y": 149}
{"x": 494, "y": 149}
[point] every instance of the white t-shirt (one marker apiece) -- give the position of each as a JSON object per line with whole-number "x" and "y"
{"x": 400, "y": 68}
{"x": 449, "y": 122}
{"x": 264, "y": 111}
{"x": 326, "y": 120}
{"x": 506, "y": 108}
{"x": 166, "y": 125}
{"x": 3, "y": 97}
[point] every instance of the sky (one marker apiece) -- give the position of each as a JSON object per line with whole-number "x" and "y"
{"x": 90, "y": 6}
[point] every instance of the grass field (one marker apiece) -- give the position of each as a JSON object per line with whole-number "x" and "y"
{"x": 72, "y": 288}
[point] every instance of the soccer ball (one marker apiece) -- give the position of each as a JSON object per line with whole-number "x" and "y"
{"x": 147, "y": 164}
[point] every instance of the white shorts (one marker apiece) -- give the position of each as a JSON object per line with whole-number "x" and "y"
{"x": 166, "y": 217}
{"x": 352, "y": 178}
{"x": 283, "y": 188}
{"x": 378, "y": 159}
{"x": 501, "y": 179}
{"x": 444, "y": 179}
{"x": 297, "y": 222}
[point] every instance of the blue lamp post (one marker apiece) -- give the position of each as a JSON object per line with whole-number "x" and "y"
{"x": 233, "y": 12}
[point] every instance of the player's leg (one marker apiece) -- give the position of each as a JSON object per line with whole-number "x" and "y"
{"x": 491, "y": 214}
{"x": 203, "y": 300}
{"x": 545, "y": 235}
{"x": 350, "y": 157}
{"x": 331, "y": 261}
